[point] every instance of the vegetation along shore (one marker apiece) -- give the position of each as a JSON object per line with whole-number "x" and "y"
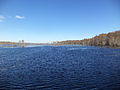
{"x": 111, "y": 39}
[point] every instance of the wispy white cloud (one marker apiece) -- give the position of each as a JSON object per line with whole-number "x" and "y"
{"x": 19, "y": 17}
{"x": 2, "y": 18}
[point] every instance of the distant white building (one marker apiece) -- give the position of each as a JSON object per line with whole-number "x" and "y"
{"x": 21, "y": 43}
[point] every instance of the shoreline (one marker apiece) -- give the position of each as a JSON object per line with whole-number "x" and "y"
{"x": 16, "y": 45}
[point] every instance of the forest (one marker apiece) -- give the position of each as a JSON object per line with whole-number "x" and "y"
{"x": 111, "y": 39}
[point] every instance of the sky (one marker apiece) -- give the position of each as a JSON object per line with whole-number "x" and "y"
{"x": 57, "y": 20}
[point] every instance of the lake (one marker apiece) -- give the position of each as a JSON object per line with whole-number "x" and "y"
{"x": 59, "y": 68}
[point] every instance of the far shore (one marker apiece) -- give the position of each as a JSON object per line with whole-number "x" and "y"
{"x": 13, "y": 45}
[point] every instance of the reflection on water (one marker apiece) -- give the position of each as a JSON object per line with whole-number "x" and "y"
{"x": 9, "y": 45}
{"x": 12, "y": 45}
{"x": 59, "y": 68}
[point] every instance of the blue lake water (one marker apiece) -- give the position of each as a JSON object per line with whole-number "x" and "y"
{"x": 59, "y": 68}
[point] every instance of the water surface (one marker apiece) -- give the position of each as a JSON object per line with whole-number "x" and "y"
{"x": 59, "y": 68}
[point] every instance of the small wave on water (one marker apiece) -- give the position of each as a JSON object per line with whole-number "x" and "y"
{"x": 77, "y": 48}
{"x": 59, "y": 68}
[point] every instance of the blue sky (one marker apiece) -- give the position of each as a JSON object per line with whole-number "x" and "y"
{"x": 56, "y": 20}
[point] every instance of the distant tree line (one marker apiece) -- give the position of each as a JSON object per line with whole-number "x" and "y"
{"x": 7, "y": 42}
{"x": 111, "y": 39}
